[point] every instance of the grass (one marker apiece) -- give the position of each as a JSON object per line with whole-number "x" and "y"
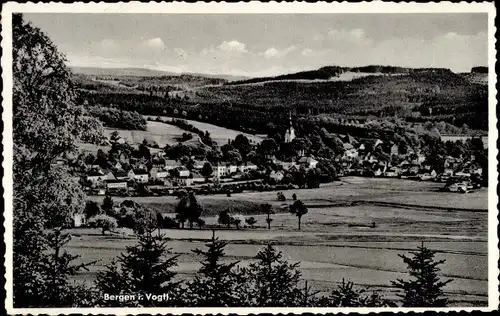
{"x": 217, "y": 133}
{"x": 163, "y": 134}
{"x": 329, "y": 247}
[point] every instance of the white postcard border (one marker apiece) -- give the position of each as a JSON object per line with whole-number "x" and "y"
{"x": 253, "y": 7}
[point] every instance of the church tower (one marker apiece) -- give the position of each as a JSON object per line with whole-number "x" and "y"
{"x": 290, "y": 132}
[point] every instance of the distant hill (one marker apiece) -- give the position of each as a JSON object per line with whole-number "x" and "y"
{"x": 332, "y": 72}
{"x": 145, "y": 72}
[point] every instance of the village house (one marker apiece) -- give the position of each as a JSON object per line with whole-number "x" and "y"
{"x": 79, "y": 220}
{"x": 287, "y": 164}
{"x": 141, "y": 176}
{"x": 220, "y": 171}
{"x": 116, "y": 184}
{"x": 308, "y": 162}
{"x": 198, "y": 164}
{"x": 171, "y": 164}
{"x": 157, "y": 162}
{"x": 124, "y": 175}
{"x": 247, "y": 167}
{"x": 158, "y": 173}
{"x": 182, "y": 172}
{"x": 349, "y": 151}
{"x": 394, "y": 149}
{"x": 195, "y": 178}
{"x": 108, "y": 175}
{"x": 276, "y": 175}
{"x": 95, "y": 176}
{"x": 391, "y": 172}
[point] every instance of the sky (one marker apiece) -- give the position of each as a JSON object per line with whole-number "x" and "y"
{"x": 257, "y": 45}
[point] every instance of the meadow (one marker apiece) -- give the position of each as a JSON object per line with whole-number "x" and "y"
{"x": 217, "y": 133}
{"x": 336, "y": 240}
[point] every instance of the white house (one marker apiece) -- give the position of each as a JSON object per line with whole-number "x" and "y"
{"x": 116, "y": 184}
{"x": 276, "y": 175}
{"x": 95, "y": 176}
{"x": 308, "y": 162}
{"x": 158, "y": 173}
{"x": 247, "y": 167}
{"x": 124, "y": 175}
{"x": 141, "y": 176}
{"x": 172, "y": 164}
{"x": 198, "y": 164}
{"x": 220, "y": 171}
{"x": 183, "y": 172}
{"x": 79, "y": 220}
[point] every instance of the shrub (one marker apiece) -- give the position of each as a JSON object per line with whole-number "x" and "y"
{"x": 105, "y": 222}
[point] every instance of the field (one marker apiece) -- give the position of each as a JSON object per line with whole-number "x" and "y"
{"x": 161, "y": 133}
{"x": 337, "y": 240}
{"x": 217, "y": 133}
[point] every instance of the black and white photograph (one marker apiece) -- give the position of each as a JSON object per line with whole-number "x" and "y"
{"x": 310, "y": 158}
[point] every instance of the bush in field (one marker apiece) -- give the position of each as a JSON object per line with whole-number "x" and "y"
{"x": 281, "y": 196}
{"x": 251, "y": 221}
{"x": 425, "y": 289}
{"x": 105, "y": 222}
{"x": 225, "y": 218}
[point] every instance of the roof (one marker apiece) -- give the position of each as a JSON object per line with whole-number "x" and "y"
{"x": 171, "y": 162}
{"x": 115, "y": 181}
{"x": 156, "y": 169}
{"x": 141, "y": 172}
{"x": 94, "y": 173}
{"x": 348, "y": 146}
{"x": 182, "y": 168}
{"x": 195, "y": 174}
{"x": 121, "y": 174}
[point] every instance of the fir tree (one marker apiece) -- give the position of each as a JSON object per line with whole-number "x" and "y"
{"x": 217, "y": 284}
{"x": 141, "y": 270}
{"x": 274, "y": 282}
{"x": 425, "y": 289}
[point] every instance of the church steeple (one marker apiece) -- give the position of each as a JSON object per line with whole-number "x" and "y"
{"x": 290, "y": 132}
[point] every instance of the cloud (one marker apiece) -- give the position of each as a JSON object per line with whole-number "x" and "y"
{"x": 307, "y": 52}
{"x": 233, "y": 46}
{"x": 275, "y": 53}
{"x": 155, "y": 44}
{"x": 356, "y": 36}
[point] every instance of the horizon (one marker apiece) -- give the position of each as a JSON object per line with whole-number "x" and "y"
{"x": 263, "y": 45}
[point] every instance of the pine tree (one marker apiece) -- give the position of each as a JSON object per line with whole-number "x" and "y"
{"x": 425, "y": 289}
{"x": 141, "y": 270}
{"x": 217, "y": 284}
{"x": 194, "y": 210}
{"x": 273, "y": 281}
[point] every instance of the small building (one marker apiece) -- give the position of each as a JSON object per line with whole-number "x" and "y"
{"x": 220, "y": 170}
{"x": 198, "y": 164}
{"x": 158, "y": 173}
{"x": 247, "y": 167}
{"x": 171, "y": 164}
{"x": 308, "y": 162}
{"x": 108, "y": 175}
{"x": 124, "y": 175}
{"x": 183, "y": 172}
{"x": 394, "y": 149}
{"x": 116, "y": 184}
{"x": 79, "y": 220}
{"x": 141, "y": 176}
{"x": 276, "y": 175}
{"x": 95, "y": 176}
